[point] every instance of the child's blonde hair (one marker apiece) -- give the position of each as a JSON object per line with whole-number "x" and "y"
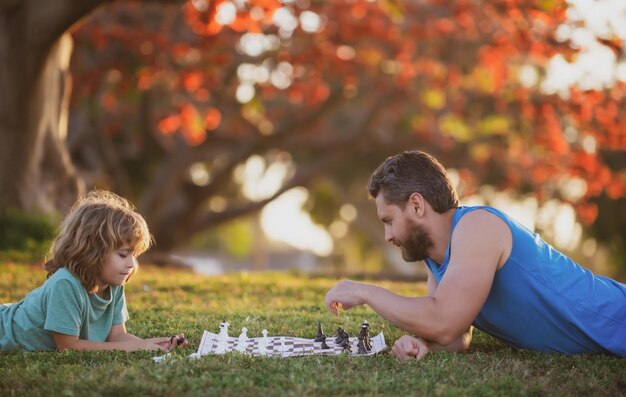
{"x": 98, "y": 223}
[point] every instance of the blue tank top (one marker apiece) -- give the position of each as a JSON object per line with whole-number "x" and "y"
{"x": 542, "y": 300}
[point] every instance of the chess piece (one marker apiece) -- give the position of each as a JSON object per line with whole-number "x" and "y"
{"x": 368, "y": 342}
{"x": 320, "y": 334}
{"x": 176, "y": 339}
{"x": 345, "y": 345}
{"x": 224, "y": 328}
{"x": 340, "y": 336}
{"x": 361, "y": 346}
{"x": 364, "y": 337}
{"x": 222, "y": 338}
{"x": 263, "y": 344}
{"x": 243, "y": 340}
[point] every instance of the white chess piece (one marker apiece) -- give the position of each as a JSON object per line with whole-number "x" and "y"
{"x": 222, "y": 341}
{"x": 263, "y": 344}
{"x": 243, "y": 340}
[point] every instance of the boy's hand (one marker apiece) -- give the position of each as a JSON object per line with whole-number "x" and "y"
{"x": 409, "y": 347}
{"x": 177, "y": 341}
{"x": 162, "y": 344}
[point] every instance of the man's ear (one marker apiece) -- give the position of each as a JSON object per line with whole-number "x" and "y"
{"x": 416, "y": 204}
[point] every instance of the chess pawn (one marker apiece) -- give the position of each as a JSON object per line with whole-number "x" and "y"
{"x": 263, "y": 344}
{"x": 345, "y": 345}
{"x": 222, "y": 340}
{"x": 320, "y": 337}
{"x": 224, "y": 328}
{"x": 243, "y": 340}
{"x": 340, "y": 336}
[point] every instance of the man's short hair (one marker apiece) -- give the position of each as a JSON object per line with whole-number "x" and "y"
{"x": 414, "y": 171}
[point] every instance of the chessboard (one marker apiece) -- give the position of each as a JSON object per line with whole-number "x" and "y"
{"x": 285, "y": 346}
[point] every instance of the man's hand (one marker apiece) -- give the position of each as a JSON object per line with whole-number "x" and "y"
{"x": 346, "y": 294}
{"x": 409, "y": 347}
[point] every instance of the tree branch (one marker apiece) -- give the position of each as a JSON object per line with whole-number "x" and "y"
{"x": 47, "y": 20}
{"x": 301, "y": 178}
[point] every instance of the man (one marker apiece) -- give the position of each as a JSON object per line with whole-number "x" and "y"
{"x": 484, "y": 269}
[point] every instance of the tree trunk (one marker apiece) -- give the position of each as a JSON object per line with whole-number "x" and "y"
{"x": 36, "y": 173}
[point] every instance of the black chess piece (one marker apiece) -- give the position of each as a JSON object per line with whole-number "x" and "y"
{"x": 320, "y": 334}
{"x": 365, "y": 324}
{"x": 176, "y": 339}
{"x": 368, "y": 344}
{"x": 365, "y": 337}
{"x": 324, "y": 345}
{"x": 345, "y": 345}
{"x": 361, "y": 346}
{"x": 340, "y": 336}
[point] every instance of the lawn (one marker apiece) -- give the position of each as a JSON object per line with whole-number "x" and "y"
{"x": 165, "y": 301}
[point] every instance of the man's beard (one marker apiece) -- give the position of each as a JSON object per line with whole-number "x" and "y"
{"x": 416, "y": 244}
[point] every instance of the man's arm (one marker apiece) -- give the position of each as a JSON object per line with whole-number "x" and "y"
{"x": 413, "y": 347}
{"x": 463, "y": 341}
{"x": 480, "y": 243}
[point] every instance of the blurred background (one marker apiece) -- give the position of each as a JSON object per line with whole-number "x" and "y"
{"x": 246, "y": 131}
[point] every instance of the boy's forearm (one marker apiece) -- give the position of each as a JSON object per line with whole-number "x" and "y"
{"x": 127, "y": 345}
{"x": 123, "y": 338}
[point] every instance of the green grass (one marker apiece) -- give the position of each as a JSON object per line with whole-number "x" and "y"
{"x": 165, "y": 301}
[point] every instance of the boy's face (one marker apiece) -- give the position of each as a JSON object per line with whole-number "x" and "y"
{"x": 117, "y": 267}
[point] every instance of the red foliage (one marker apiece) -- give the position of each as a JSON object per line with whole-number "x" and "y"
{"x": 445, "y": 72}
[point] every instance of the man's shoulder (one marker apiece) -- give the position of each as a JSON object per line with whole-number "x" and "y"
{"x": 483, "y": 223}
{"x": 480, "y": 216}
{"x": 484, "y": 230}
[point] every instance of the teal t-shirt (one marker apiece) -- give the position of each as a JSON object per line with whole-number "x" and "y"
{"x": 61, "y": 304}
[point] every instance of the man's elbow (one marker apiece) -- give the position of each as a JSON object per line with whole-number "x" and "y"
{"x": 440, "y": 335}
{"x": 447, "y": 335}
{"x": 445, "y": 339}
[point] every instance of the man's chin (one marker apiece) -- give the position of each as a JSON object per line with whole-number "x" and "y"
{"x": 408, "y": 258}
